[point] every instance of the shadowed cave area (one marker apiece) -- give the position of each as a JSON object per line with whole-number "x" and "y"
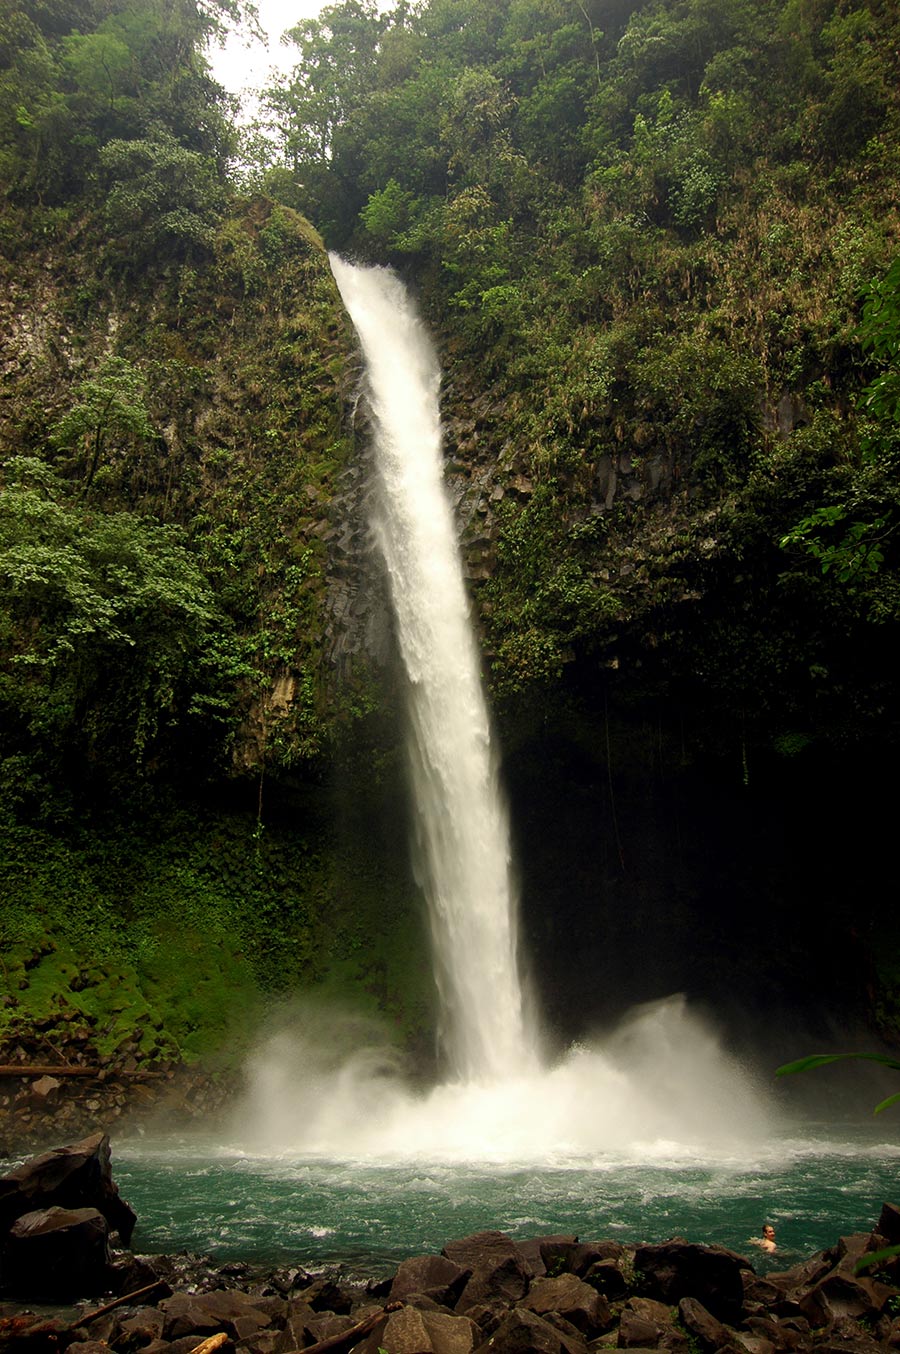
{"x": 655, "y": 877}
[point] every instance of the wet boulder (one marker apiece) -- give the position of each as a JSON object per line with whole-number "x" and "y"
{"x": 130, "y": 1272}
{"x": 488, "y": 1315}
{"x": 73, "y": 1177}
{"x": 760, "y": 1293}
{"x": 647, "y": 1324}
{"x": 888, "y": 1226}
{"x": 701, "y": 1326}
{"x": 327, "y": 1325}
{"x": 565, "y": 1255}
{"x": 842, "y": 1295}
{"x": 789, "y": 1281}
{"x": 573, "y": 1299}
{"x": 411, "y": 1331}
{"x": 782, "y": 1336}
{"x": 402, "y": 1332}
{"x": 229, "y": 1310}
{"x": 498, "y": 1268}
{"x": 142, "y": 1326}
{"x": 532, "y": 1251}
{"x": 608, "y": 1278}
{"x": 294, "y": 1334}
{"x": 848, "y": 1337}
{"x": 56, "y": 1254}
{"x": 434, "y": 1275}
{"x": 324, "y": 1295}
{"x": 524, "y": 1332}
{"x": 637, "y": 1331}
{"x": 679, "y": 1269}
{"x": 451, "y": 1334}
{"x": 848, "y": 1251}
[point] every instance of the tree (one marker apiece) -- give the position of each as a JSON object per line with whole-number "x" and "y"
{"x": 110, "y": 635}
{"x": 849, "y": 537}
{"x": 162, "y": 195}
{"x": 879, "y": 336}
{"x": 111, "y": 406}
{"x": 336, "y": 69}
{"x": 77, "y": 74}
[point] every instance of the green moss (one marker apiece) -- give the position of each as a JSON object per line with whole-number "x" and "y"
{"x": 178, "y": 933}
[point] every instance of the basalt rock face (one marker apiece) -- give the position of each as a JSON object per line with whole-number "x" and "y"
{"x": 240, "y": 368}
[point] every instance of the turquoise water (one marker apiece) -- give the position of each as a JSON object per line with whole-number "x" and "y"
{"x": 368, "y": 1215}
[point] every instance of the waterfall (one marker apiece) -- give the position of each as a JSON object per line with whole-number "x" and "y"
{"x": 660, "y": 1085}
{"x": 461, "y": 820}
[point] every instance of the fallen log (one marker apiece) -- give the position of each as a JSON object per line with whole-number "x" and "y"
{"x": 118, "y": 1302}
{"x": 346, "y": 1339}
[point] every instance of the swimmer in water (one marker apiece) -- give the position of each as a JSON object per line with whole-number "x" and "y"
{"x": 766, "y": 1242}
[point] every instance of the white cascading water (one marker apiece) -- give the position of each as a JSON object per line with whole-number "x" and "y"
{"x": 461, "y": 818}
{"x": 328, "y": 1085}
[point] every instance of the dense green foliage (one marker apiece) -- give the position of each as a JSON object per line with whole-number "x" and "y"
{"x": 658, "y": 243}
{"x": 173, "y": 387}
{"x": 663, "y": 232}
{"x": 191, "y": 460}
{"x": 87, "y": 88}
{"x": 113, "y": 641}
{"x": 181, "y": 927}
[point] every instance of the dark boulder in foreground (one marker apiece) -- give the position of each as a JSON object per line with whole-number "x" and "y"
{"x": 56, "y": 1253}
{"x": 525, "y": 1332}
{"x": 571, "y": 1298}
{"x": 680, "y": 1269}
{"x": 498, "y": 1268}
{"x": 433, "y": 1275}
{"x": 78, "y": 1176}
{"x": 888, "y": 1225}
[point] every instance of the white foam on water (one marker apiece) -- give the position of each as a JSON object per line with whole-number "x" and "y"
{"x": 660, "y": 1089}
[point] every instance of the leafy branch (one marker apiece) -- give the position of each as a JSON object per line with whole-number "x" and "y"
{"x": 825, "y": 1059}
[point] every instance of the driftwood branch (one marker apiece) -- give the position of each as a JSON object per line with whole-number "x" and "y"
{"x": 346, "y": 1339}
{"x": 212, "y": 1342}
{"x": 117, "y": 1302}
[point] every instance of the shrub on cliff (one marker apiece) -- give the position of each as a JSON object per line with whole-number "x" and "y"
{"x": 110, "y": 637}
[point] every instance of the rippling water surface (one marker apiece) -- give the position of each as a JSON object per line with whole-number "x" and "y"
{"x": 369, "y": 1214}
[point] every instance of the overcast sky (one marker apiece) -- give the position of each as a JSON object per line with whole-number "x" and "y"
{"x": 240, "y": 66}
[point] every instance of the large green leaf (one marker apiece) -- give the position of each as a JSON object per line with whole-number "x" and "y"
{"x": 823, "y": 1059}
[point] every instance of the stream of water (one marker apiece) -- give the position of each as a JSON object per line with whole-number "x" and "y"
{"x": 460, "y": 817}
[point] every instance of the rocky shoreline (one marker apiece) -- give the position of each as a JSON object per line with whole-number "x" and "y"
{"x": 55, "y": 1085}
{"x": 64, "y": 1227}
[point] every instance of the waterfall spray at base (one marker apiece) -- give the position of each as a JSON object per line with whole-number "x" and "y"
{"x": 662, "y": 1083}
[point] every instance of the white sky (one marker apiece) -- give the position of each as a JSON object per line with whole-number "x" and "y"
{"x": 241, "y": 66}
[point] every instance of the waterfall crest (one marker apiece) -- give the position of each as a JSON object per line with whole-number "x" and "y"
{"x": 461, "y": 820}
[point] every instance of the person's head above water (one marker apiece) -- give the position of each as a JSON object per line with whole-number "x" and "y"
{"x": 768, "y": 1231}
